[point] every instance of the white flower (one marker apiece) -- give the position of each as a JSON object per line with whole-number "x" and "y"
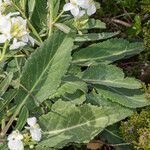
{"x": 15, "y": 141}
{"x": 89, "y": 5}
{"x": 20, "y": 32}
{"x": 16, "y": 44}
{"x": 34, "y": 128}
{"x": 73, "y": 7}
{"x": 77, "y": 7}
{"x": 5, "y": 28}
{"x": 5, "y": 23}
{"x": 91, "y": 10}
{"x": 19, "y": 27}
{"x": 14, "y": 26}
{"x": 27, "y": 39}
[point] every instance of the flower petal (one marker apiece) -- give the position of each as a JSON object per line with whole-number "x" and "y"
{"x": 15, "y": 145}
{"x": 36, "y": 134}
{"x": 68, "y": 7}
{"x": 31, "y": 39}
{"x": 80, "y": 2}
{"x": 85, "y": 5}
{"x": 91, "y": 10}
{"x": 17, "y": 45}
{"x": 5, "y": 24}
{"x": 10, "y": 137}
{"x": 31, "y": 121}
{"x": 15, "y": 135}
{"x": 7, "y": 2}
{"x": 3, "y": 38}
{"x": 75, "y": 12}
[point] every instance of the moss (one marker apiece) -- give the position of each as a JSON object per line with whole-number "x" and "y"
{"x": 136, "y": 130}
{"x": 145, "y": 6}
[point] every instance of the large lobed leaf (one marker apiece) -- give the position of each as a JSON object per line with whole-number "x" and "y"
{"x": 125, "y": 97}
{"x": 109, "y": 75}
{"x": 44, "y": 70}
{"x": 111, "y": 85}
{"x": 107, "y": 51}
{"x": 68, "y": 123}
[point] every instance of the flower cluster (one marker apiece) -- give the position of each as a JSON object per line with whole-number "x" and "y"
{"x": 80, "y": 7}
{"x": 15, "y": 139}
{"x": 13, "y": 28}
{"x": 35, "y": 131}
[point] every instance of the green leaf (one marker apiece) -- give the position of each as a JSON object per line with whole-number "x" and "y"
{"x": 24, "y": 114}
{"x": 5, "y": 83}
{"x": 31, "y": 7}
{"x": 54, "y": 7}
{"x": 74, "y": 70}
{"x": 107, "y": 52}
{"x": 23, "y": 4}
{"x": 94, "y": 24}
{"x": 44, "y": 70}
{"x": 95, "y": 98}
{"x": 109, "y": 75}
{"x": 3, "y": 146}
{"x": 68, "y": 123}
{"x": 7, "y": 98}
{"x": 76, "y": 98}
{"x": 70, "y": 84}
{"x": 125, "y": 97}
{"x": 95, "y": 36}
{"x": 39, "y": 15}
{"x": 15, "y": 65}
{"x": 112, "y": 136}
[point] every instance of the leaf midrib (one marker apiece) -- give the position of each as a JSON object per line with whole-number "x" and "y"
{"x": 104, "y": 82}
{"x": 108, "y": 56}
{"x": 37, "y": 81}
{"x": 77, "y": 126}
{"x": 133, "y": 100}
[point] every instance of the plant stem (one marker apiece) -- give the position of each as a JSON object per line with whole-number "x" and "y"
{"x": 4, "y": 50}
{"x": 4, "y": 131}
{"x": 16, "y": 61}
{"x": 121, "y": 22}
{"x": 53, "y": 22}
{"x": 29, "y": 23}
{"x": 3, "y": 124}
{"x": 15, "y": 56}
{"x": 18, "y": 109}
{"x": 50, "y": 16}
{"x": 58, "y": 17}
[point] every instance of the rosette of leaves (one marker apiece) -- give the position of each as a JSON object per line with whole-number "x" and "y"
{"x": 72, "y": 87}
